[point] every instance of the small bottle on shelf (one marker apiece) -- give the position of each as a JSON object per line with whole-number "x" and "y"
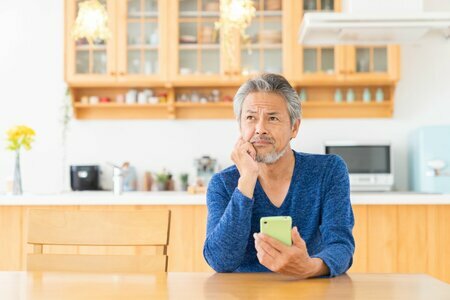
{"x": 302, "y": 95}
{"x": 338, "y": 96}
{"x": 366, "y": 95}
{"x": 379, "y": 95}
{"x": 350, "y": 96}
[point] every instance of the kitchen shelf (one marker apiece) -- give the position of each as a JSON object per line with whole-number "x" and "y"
{"x": 89, "y": 47}
{"x": 255, "y": 46}
{"x": 203, "y": 105}
{"x": 357, "y": 109}
{"x": 177, "y": 110}
{"x": 195, "y": 46}
{"x": 269, "y": 13}
{"x": 142, "y": 47}
{"x": 224, "y": 110}
{"x": 203, "y": 14}
{"x": 115, "y": 111}
{"x": 219, "y": 110}
{"x": 120, "y": 105}
{"x": 152, "y": 14}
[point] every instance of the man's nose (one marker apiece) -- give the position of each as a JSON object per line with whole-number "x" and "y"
{"x": 260, "y": 127}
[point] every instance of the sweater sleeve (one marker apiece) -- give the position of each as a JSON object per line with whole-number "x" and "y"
{"x": 228, "y": 226}
{"x": 337, "y": 220}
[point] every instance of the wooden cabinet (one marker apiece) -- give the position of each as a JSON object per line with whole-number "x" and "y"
{"x": 195, "y": 49}
{"x": 134, "y": 54}
{"x": 198, "y": 50}
{"x": 388, "y": 238}
{"x": 372, "y": 63}
{"x": 85, "y": 63}
{"x": 141, "y": 41}
{"x": 315, "y": 64}
{"x": 172, "y": 47}
{"x": 269, "y": 39}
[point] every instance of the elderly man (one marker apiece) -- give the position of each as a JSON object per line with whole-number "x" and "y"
{"x": 270, "y": 179}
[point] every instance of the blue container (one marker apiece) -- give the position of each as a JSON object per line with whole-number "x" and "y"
{"x": 430, "y": 146}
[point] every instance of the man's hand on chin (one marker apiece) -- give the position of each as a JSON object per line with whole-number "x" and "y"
{"x": 288, "y": 260}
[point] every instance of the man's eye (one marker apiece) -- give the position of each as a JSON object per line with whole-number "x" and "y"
{"x": 250, "y": 118}
{"x": 273, "y": 119}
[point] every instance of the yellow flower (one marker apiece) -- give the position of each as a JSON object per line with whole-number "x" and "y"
{"x": 20, "y": 136}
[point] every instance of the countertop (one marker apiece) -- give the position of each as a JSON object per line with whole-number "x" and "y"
{"x": 184, "y": 198}
{"x": 198, "y": 285}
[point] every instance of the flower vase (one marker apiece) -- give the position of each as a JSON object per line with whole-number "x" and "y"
{"x": 17, "y": 184}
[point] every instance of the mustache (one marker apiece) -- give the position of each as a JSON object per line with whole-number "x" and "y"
{"x": 262, "y": 138}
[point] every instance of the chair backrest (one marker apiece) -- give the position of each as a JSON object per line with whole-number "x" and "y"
{"x": 98, "y": 228}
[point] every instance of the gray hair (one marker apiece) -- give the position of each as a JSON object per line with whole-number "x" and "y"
{"x": 269, "y": 83}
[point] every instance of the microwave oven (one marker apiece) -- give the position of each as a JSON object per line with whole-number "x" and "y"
{"x": 369, "y": 163}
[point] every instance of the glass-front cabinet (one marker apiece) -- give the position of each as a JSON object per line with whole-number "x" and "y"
{"x": 314, "y": 62}
{"x": 170, "y": 55}
{"x": 141, "y": 40}
{"x": 372, "y": 62}
{"x": 263, "y": 51}
{"x": 86, "y": 62}
{"x": 200, "y": 52}
{"x": 195, "y": 43}
{"x": 133, "y": 54}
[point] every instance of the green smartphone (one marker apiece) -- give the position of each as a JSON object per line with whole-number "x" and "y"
{"x": 278, "y": 227}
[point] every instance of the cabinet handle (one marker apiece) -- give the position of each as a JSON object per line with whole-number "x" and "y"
{"x": 122, "y": 73}
{"x": 113, "y": 73}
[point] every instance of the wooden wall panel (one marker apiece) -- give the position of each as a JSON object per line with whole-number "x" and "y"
{"x": 382, "y": 238}
{"x": 360, "y": 235}
{"x": 439, "y": 241}
{"x": 11, "y": 238}
{"x": 413, "y": 239}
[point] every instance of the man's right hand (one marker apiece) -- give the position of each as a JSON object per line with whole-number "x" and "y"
{"x": 244, "y": 156}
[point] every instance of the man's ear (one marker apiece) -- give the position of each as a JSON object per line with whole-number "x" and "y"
{"x": 295, "y": 128}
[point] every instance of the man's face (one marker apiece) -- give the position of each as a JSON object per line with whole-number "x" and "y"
{"x": 265, "y": 122}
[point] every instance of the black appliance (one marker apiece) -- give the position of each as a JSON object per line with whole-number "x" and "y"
{"x": 85, "y": 178}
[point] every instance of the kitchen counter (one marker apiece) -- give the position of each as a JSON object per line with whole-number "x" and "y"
{"x": 183, "y": 198}
{"x": 394, "y": 232}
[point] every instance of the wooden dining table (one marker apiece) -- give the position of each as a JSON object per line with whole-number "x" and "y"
{"x": 56, "y": 285}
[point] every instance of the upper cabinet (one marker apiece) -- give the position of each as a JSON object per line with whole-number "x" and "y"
{"x": 134, "y": 54}
{"x": 195, "y": 49}
{"x": 141, "y": 40}
{"x": 267, "y": 39}
{"x": 90, "y": 63}
{"x": 333, "y": 64}
{"x": 199, "y": 53}
{"x": 372, "y": 63}
{"x": 171, "y": 53}
{"x": 316, "y": 63}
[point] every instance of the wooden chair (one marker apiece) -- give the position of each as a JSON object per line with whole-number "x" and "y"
{"x": 98, "y": 228}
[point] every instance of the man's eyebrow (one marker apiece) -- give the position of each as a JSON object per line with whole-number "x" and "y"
{"x": 273, "y": 113}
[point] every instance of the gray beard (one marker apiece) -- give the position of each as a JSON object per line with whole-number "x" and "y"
{"x": 272, "y": 157}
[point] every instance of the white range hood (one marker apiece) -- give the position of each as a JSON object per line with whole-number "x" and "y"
{"x": 380, "y": 26}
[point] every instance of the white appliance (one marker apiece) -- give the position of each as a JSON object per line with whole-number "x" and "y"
{"x": 369, "y": 163}
{"x": 381, "y": 22}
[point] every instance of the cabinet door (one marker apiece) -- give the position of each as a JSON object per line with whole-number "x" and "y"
{"x": 263, "y": 52}
{"x": 89, "y": 64}
{"x": 141, "y": 35}
{"x": 316, "y": 63}
{"x": 373, "y": 62}
{"x": 194, "y": 42}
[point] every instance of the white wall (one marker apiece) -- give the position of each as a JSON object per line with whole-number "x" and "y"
{"x": 32, "y": 90}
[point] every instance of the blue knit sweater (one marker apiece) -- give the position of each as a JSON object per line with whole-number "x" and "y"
{"x": 317, "y": 200}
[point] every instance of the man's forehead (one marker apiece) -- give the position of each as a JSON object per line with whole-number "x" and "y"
{"x": 264, "y": 101}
